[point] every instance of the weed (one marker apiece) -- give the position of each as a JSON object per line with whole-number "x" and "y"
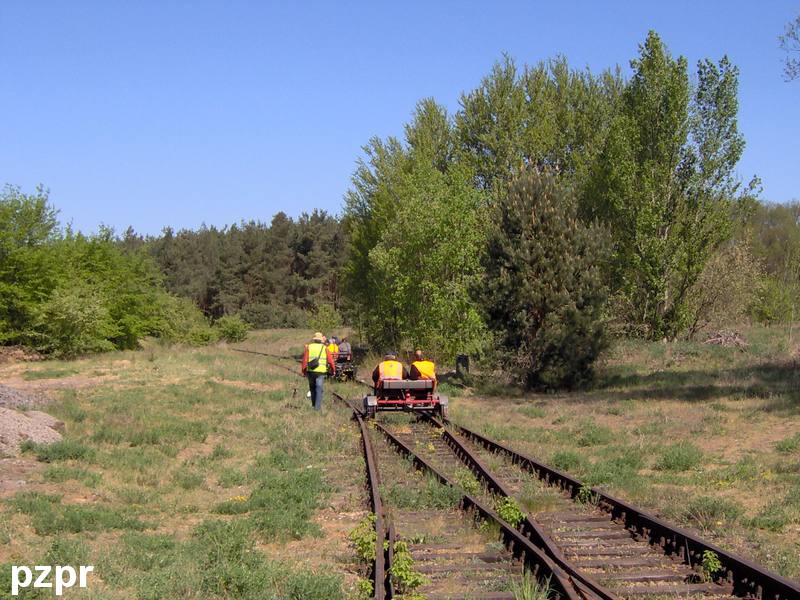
{"x": 60, "y": 474}
{"x": 229, "y": 479}
{"x": 772, "y": 517}
{"x": 49, "y": 516}
{"x": 363, "y": 537}
{"x": 710, "y": 513}
{"x": 535, "y": 498}
{"x": 566, "y": 460}
{"x": 430, "y": 494}
{"x": 61, "y": 450}
{"x": 54, "y": 373}
{"x": 790, "y": 444}
{"x": 587, "y": 496}
{"x": 591, "y": 434}
{"x": 509, "y": 511}
{"x": 530, "y": 589}
{"x": 532, "y": 411}
{"x": 188, "y": 479}
{"x": 710, "y": 565}
{"x": 402, "y": 572}
{"x": 467, "y": 480}
{"x": 680, "y": 457}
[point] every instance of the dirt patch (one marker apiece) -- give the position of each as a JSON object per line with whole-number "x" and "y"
{"x": 16, "y": 473}
{"x": 18, "y": 354}
{"x": 17, "y": 427}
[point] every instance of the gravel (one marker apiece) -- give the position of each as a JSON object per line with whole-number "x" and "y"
{"x": 16, "y": 426}
{"x": 11, "y": 398}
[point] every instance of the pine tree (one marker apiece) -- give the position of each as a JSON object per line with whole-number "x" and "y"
{"x": 543, "y": 292}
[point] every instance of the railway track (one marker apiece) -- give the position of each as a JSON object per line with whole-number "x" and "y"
{"x": 585, "y": 543}
{"x": 464, "y": 553}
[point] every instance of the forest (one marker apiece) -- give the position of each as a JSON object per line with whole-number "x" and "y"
{"x": 555, "y": 210}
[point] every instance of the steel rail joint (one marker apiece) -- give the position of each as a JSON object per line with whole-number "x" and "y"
{"x": 747, "y": 578}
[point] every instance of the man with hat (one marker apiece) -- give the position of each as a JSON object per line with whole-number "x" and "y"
{"x": 389, "y": 369}
{"x": 316, "y": 361}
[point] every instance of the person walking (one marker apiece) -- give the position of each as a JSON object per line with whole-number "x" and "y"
{"x": 317, "y": 360}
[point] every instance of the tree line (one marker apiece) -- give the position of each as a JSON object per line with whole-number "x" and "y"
{"x": 556, "y": 208}
{"x": 558, "y": 205}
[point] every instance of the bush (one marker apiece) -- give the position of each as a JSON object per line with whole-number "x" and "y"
{"x": 724, "y": 291}
{"x": 324, "y": 317}
{"x": 774, "y": 302}
{"x": 680, "y": 457}
{"x": 231, "y": 328}
{"x": 181, "y": 321}
{"x": 74, "y": 321}
{"x": 544, "y": 291}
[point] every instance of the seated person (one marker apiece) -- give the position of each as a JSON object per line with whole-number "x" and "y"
{"x": 389, "y": 369}
{"x": 333, "y": 346}
{"x": 422, "y": 369}
{"x": 345, "y": 351}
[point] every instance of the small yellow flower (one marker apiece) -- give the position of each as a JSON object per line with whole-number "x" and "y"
{"x": 239, "y": 499}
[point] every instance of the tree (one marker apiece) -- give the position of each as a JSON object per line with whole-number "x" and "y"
{"x": 790, "y": 43}
{"x": 664, "y": 184}
{"x": 28, "y": 270}
{"x": 414, "y": 222}
{"x": 543, "y": 290}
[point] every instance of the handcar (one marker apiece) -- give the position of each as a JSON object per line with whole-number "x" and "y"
{"x": 408, "y": 395}
{"x": 345, "y": 369}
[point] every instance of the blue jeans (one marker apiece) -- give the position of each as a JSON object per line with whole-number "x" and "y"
{"x": 315, "y": 381}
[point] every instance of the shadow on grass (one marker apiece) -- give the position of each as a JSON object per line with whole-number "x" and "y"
{"x": 776, "y": 382}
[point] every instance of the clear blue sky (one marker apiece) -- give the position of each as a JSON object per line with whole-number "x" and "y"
{"x": 170, "y": 112}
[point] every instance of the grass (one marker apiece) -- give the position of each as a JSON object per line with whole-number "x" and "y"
{"x": 142, "y": 485}
{"x": 431, "y": 494}
{"x": 48, "y": 373}
{"x": 702, "y": 434}
{"x": 680, "y": 457}
{"x": 62, "y": 450}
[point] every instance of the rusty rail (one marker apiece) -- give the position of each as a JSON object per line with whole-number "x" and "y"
{"x": 540, "y": 565}
{"x": 380, "y": 571}
{"x": 529, "y": 528}
{"x": 747, "y": 578}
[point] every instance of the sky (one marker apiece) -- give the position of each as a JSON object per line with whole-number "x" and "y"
{"x": 183, "y": 112}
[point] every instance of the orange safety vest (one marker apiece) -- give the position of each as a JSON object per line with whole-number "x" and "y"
{"x": 390, "y": 369}
{"x": 426, "y": 368}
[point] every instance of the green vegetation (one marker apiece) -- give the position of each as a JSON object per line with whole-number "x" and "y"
{"x": 62, "y": 450}
{"x": 404, "y": 577}
{"x": 429, "y": 494}
{"x": 509, "y": 511}
{"x": 530, "y": 589}
{"x": 363, "y": 537}
{"x": 544, "y": 292}
{"x": 680, "y": 457}
{"x": 66, "y": 294}
{"x": 231, "y": 328}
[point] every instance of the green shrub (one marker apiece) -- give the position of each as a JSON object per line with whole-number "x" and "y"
{"x": 231, "y": 328}
{"x": 566, "y": 460}
{"x": 61, "y": 450}
{"x": 711, "y": 513}
{"x": 543, "y": 291}
{"x": 680, "y": 457}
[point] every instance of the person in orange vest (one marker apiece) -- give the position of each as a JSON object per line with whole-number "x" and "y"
{"x": 389, "y": 369}
{"x": 317, "y": 360}
{"x": 422, "y": 369}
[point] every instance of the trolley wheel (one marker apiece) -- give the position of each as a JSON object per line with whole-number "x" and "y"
{"x": 371, "y": 412}
{"x": 441, "y": 411}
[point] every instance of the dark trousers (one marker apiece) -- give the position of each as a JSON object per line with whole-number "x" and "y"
{"x": 315, "y": 381}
